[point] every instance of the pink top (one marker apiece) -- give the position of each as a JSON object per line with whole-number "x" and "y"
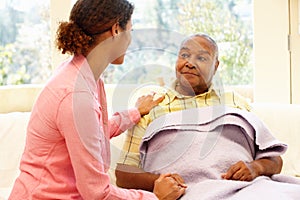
{"x": 67, "y": 152}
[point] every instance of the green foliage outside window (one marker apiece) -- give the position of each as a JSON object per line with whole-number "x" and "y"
{"x": 8, "y": 75}
{"x": 24, "y": 42}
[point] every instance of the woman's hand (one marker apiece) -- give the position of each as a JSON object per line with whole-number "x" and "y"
{"x": 146, "y": 102}
{"x": 167, "y": 188}
{"x": 179, "y": 180}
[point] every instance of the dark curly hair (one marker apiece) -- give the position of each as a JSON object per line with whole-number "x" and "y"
{"x": 88, "y": 19}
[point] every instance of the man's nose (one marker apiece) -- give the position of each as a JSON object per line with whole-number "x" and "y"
{"x": 190, "y": 65}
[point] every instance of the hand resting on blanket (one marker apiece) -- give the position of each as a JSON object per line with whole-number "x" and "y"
{"x": 245, "y": 171}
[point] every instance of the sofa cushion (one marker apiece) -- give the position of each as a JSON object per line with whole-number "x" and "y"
{"x": 12, "y": 142}
{"x": 18, "y": 98}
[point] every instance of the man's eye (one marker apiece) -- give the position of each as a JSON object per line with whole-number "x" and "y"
{"x": 184, "y": 55}
{"x": 201, "y": 58}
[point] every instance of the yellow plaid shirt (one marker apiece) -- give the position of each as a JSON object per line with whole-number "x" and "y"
{"x": 175, "y": 102}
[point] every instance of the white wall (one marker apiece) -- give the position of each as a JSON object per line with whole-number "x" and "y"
{"x": 272, "y": 61}
{"x": 295, "y": 50}
{"x": 59, "y": 11}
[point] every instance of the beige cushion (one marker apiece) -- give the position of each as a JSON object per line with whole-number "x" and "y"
{"x": 12, "y": 142}
{"x": 18, "y": 98}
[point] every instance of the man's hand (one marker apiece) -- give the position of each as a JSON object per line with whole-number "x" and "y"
{"x": 241, "y": 171}
{"x": 247, "y": 171}
{"x": 146, "y": 102}
{"x": 167, "y": 188}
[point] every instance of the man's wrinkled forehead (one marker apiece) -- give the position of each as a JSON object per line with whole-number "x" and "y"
{"x": 199, "y": 44}
{"x": 195, "y": 48}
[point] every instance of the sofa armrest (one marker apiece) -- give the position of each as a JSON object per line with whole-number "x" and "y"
{"x": 284, "y": 122}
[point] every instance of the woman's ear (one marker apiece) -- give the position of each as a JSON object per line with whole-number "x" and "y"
{"x": 115, "y": 29}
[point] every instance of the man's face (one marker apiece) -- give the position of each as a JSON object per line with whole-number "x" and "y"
{"x": 196, "y": 64}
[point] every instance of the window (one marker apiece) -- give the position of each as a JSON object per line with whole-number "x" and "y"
{"x": 159, "y": 27}
{"x": 24, "y": 42}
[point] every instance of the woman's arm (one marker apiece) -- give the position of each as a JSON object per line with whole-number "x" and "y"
{"x": 121, "y": 121}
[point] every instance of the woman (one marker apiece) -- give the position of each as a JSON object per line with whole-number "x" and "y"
{"x": 67, "y": 148}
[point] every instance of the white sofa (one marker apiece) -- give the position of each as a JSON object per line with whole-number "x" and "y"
{"x": 16, "y": 103}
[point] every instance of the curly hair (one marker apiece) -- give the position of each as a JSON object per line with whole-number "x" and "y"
{"x": 88, "y": 19}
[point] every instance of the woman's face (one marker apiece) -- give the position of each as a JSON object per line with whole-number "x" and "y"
{"x": 124, "y": 40}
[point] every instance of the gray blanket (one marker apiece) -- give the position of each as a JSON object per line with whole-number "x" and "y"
{"x": 201, "y": 144}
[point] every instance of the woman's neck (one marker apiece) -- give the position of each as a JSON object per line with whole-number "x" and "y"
{"x": 99, "y": 58}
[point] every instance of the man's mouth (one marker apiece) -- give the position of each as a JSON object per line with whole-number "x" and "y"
{"x": 189, "y": 73}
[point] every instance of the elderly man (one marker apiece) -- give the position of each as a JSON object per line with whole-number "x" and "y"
{"x": 196, "y": 66}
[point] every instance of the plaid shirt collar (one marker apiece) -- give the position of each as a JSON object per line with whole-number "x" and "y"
{"x": 171, "y": 93}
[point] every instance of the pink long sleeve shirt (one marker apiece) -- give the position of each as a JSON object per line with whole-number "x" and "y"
{"x": 67, "y": 152}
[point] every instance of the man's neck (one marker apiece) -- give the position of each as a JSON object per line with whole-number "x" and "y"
{"x": 189, "y": 91}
